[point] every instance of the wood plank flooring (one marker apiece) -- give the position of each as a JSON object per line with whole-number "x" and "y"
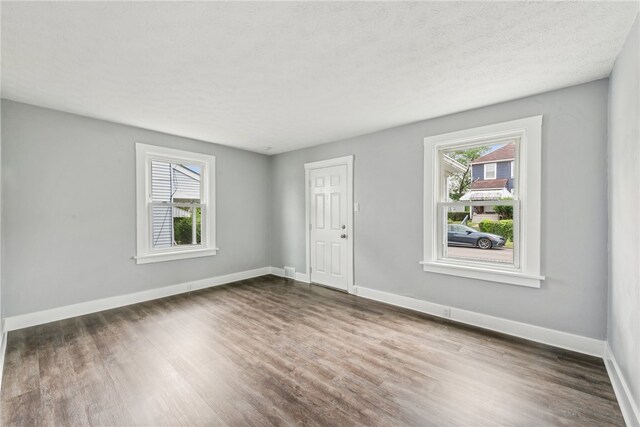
{"x": 268, "y": 351}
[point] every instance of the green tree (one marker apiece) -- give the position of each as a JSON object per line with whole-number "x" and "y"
{"x": 460, "y": 182}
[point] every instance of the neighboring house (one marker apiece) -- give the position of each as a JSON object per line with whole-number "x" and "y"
{"x": 492, "y": 178}
{"x": 492, "y": 175}
{"x": 451, "y": 167}
{"x": 171, "y": 183}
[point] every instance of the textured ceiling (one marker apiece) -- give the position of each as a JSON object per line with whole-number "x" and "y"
{"x": 288, "y": 75}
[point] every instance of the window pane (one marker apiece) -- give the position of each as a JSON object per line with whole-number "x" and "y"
{"x": 162, "y": 227}
{"x": 174, "y": 226}
{"x": 186, "y": 183}
{"x": 186, "y": 232}
{"x": 479, "y": 173}
{"x": 490, "y": 171}
{"x": 175, "y": 182}
{"x": 160, "y": 181}
{"x": 480, "y": 234}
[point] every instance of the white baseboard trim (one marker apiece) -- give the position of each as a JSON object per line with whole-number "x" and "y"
{"x": 59, "y": 313}
{"x": 628, "y": 407}
{"x": 3, "y": 350}
{"x": 300, "y": 277}
{"x": 580, "y": 344}
{"x": 276, "y": 271}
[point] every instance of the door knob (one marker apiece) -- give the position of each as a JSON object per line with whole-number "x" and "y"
{"x": 343, "y": 227}
{"x": 343, "y": 236}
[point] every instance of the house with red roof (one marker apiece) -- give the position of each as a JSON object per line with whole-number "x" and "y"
{"x": 492, "y": 175}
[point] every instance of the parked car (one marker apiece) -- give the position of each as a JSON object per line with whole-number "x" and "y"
{"x": 462, "y": 235}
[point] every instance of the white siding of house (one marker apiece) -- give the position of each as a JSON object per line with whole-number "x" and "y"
{"x": 161, "y": 189}
{"x": 185, "y": 184}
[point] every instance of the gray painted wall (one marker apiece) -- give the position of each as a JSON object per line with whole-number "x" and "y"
{"x": 388, "y": 172}
{"x": 70, "y": 220}
{"x": 624, "y": 205}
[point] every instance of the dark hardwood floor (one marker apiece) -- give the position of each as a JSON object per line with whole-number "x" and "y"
{"x": 270, "y": 351}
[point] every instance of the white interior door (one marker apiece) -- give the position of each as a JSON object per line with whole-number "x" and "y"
{"x": 329, "y": 226}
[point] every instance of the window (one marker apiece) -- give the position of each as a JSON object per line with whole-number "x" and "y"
{"x": 175, "y": 204}
{"x": 490, "y": 171}
{"x": 482, "y": 220}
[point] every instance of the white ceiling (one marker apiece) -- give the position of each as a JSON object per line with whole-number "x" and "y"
{"x": 289, "y": 75}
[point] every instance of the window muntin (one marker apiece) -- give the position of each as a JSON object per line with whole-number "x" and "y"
{"x": 523, "y": 198}
{"x": 175, "y": 192}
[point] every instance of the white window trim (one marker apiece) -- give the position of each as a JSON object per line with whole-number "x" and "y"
{"x": 495, "y": 170}
{"x": 144, "y": 253}
{"x": 529, "y": 131}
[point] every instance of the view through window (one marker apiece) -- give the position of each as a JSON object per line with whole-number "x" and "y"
{"x": 478, "y": 204}
{"x": 176, "y": 207}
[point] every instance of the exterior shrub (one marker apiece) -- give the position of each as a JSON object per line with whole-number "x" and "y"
{"x": 182, "y": 231}
{"x": 457, "y": 216}
{"x": 503, "y": 228}
{"x": 505, "y": 212}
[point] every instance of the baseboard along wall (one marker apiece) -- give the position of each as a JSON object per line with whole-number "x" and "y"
{"x": 580, "y": 344}
{"x": 45, "y": 316}
{"x": 628, "y": 406}
{"x": 3, "y": 350}
{"x": 300, "y": 277}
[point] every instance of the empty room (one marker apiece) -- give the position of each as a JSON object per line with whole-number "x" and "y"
{"x": 320, "y": 213}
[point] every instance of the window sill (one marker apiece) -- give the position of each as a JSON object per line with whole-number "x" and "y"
{"x": 491, "y": 275}
{"x": 171, "y": 256}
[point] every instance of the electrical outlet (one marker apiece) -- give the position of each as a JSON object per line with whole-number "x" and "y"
{"x": 446, "y": 312}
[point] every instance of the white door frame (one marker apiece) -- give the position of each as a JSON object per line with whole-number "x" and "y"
{"x": 348, "y": 161}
